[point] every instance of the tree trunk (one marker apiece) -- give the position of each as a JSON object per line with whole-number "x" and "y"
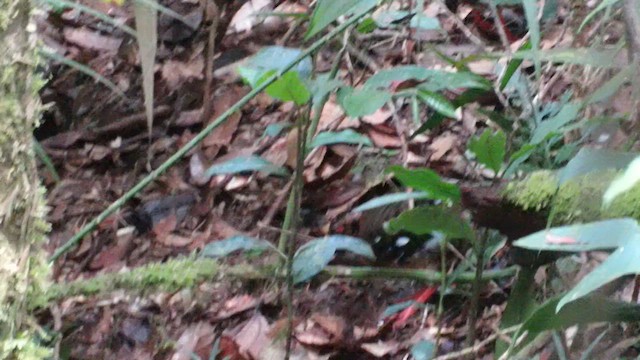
{"x": 23, "y": 268}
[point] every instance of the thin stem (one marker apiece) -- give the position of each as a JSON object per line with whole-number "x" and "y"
{"x": 477, "y": 286}
{"x": 198, "y": 138}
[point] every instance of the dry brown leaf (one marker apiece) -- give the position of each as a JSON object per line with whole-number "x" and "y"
{"x": 381, "y": 349}
{"x": 176, "y": 72}
{"x": 332, "y": 324}
{"x": 442, "y": 145}
{"x": 379, "y": 117}
{"x": 252, "y": 337}
{"x": 236, "y": 305}
{"x": 194, "y": 339}
{"x": 90, "y": 39}
{"x": 383, "y": 139}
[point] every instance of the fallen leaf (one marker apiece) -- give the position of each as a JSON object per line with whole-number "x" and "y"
{"x": 442, "y": 145}
{"x": 196, "y": 339}
{"x": 379, "y": 117}
{"x": 176, "y": 72}
{"x": 90, "y": 39}
{"x": 381, "y": 349}
{"x": 237, "y": 305}
{"x": 252, "y": 337}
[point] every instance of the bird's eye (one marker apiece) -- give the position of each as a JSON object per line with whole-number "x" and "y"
{"x": 402, "y": 241}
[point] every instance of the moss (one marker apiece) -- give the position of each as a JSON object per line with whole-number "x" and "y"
{"x": 578, "y": 200}
{"x": 170, "y": 276}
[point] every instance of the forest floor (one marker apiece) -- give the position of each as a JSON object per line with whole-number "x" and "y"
{"x": 101, "y": 146}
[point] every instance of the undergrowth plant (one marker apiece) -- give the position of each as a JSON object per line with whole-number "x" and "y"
{"x": 527, "y": 134}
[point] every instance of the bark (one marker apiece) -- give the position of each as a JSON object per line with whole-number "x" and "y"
{"x": 22, "y": 224}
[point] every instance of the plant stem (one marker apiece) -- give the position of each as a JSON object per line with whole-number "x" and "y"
{"x": 73, "y": 241}
{"x": 477, "y": 285}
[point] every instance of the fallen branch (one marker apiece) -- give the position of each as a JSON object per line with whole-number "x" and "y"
{"x": 178, "y": 274}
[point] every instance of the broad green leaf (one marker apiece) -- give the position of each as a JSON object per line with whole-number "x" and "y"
{"x": 567, "y": 114}
{"x": 385, "y": 19}
{"x": 576, "y": 56}
{"x": 422, "y": 22}
{"x": 498, "y": 117}
{"x": 439, "y": 103}
{"x": 519, "y": 157}
{"x": 363, "y": 101}
{"x": 589, "y": 309}
{"x": 512, "y": 66}
{"x": 591, "y": 160}
{"x": 274, "y": 59}
{"x": 367, "y": 26}
{"x": 225, "y": 247}
{"x": 612, "y": 86}
{"x": 426, "y": 180}
{"x": 490, "y": 149}
{"x": 521, "y": 302}
{"x": 423, "y": 350}
{"x": 315, "y": 255}
{"x": 623, "y": 261}
{"x": 289, "y": 88}
{"x": 321, "y": 86}
{"x": 328, "y": 11}
{"x": 347, "y": 136}
{"x": 434, "y": 80}
{"x": 600, "y": 235}
{"x": 388, "y": 199}
{"x": 146, "y": 27}
{"x": 428, "y": 219}
{"x": 604, "y": 4}
{"x": 623, "y": 183}
{"x": 242, "y": 164}
{"x": 274, "y": 130}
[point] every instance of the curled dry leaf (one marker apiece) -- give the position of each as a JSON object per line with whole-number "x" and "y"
{"x": 90, "y": 39}
{"x": 252, "y": 337}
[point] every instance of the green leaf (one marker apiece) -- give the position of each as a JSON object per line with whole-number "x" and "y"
{"x": 422, "y": 22}
{"x": 347, "y": 136}
{"x": 429, "y": 219}
{"x": 600, "y": 235}
{"x": 490, "y": 149}
{"x": 315, "y": 255}
{"x": 426, "y": 180}
{"x": 385, "y": 19}
{"x": 274, "y": 59}
{"x": 367, "y": 26}
{"x": 363, "y": 101}
{"x": 498, "y": 117}
{"x": 531, "y": 14}
{"x": 576, "y": 56}
{"x": 519, "y": 157}
{"x": 322, "y": 85}
{"x": 567, "y": 114}
{"x": 328, "y": 11}
{"x": 387, "y": 199}
{"x": 439, "y": 103}
{"x": 620, "y": 234}
{"x": 242, "y": 164}
{"x": 274, "y": 130}
{"x": 612, "y": 86}
{"x": 423, "y": 350}
{"x": 434, "y": 80}
{"x": 288, "y": 88}
{"x": 623, "y": 183}
{"x": 591, "y": 160}
{"x": 589, "y": 309}
{"x": 603, "y": 5}
{"x": 623, "y": 261}
{"x": 225, "y": 247}
{"x": 513, "y": 65}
